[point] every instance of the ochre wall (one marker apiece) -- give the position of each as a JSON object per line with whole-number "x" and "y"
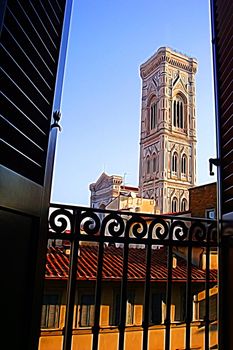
{"x": 108, "y": 339}
{"x": 51, "y": 339}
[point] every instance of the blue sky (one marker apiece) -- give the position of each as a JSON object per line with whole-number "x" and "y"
{"x": 109, "y": 39}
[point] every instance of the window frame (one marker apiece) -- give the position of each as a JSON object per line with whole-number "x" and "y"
{"x": 174, "y": 200}
{"x": 46, "y": 311}
{"x": 183, "y": 208}
{"x": 184, "y": 161}
{"x": 154, "y": 296}
{"x": 208, "y": 211}
{"x": 90, "y": 313}
{"x": 147, "y": 165}
{"x": 130, "y": 309}
{"x": 153, "y": 114}
{"x": 174, "y": 162}
{"x": 178, "y": 112}
{"x": 154, "y": 163}
{"x": 114, "y": 316}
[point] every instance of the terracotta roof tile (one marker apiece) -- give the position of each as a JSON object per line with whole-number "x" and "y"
{"x": 57, "y": 265}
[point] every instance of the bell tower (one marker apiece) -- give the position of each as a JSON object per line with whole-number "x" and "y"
{"x": 167, "y": 166}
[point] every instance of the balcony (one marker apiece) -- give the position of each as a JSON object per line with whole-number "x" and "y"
{"x": 122, "y": 280}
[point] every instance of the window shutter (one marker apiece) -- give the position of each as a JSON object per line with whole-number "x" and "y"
{"x": 29, "y": 53}
{"x": 156, "y": 308}
{"x": 87, "y": 310}
{"x": 83, "y": 318}
{"x": 50, "y": 311}
{"x": 92, "y": 314}
{"x": 130, "y": 308}
{"x": 222, "y": 11}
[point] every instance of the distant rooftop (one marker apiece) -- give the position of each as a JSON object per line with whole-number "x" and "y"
{"x": 57, "y": 266}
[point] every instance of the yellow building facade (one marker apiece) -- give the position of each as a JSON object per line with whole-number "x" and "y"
{"x": 53, "y": 313}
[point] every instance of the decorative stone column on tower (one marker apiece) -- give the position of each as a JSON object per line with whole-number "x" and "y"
{"x": 168, "y": 129}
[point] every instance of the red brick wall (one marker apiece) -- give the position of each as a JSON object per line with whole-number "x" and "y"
{"x": 202, "y": 198}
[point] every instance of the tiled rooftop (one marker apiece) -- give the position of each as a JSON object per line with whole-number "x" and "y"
{"x": 57, "y": 265}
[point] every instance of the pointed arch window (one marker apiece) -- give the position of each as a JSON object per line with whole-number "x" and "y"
{"x": 174, "y": 162}
{"x": 174, "y": 205}
{"x": 184, "y": 165}
{"x": 154, "y": 163}
{"x": 148, "y": 165}
{"x": 181, "y": 117}
{"x": 153, "y": 115}
{"x": 174, "y": 113}
{"x": 178, "y": 112}
{"x": 184, "y": 205}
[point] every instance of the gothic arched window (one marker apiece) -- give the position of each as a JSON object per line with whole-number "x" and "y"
{"x": 154, "y": 163}
{"x": 174, "y": 113}
{"x": 184, "y": 165}
{"x": 148, "y": 165}
{"x": 178, "y": 112}
{"x": 174, "y": 205}
{"x": 174, "y": 162}
{"x": 184, "y": 205}
{"x": 153, "y": 115}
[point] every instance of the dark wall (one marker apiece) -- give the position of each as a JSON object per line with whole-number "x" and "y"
{"x": 202, "y": 198}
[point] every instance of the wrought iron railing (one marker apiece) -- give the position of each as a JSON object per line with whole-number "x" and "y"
{"x": 105, "y": 228}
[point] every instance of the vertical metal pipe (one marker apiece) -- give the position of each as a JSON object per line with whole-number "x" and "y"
{"x": 168, "y": 293}
{"x": 98, "y": 293}
{"x": 123, "y": 295}
{"x": 188, "y": 317}
{"x": 71, "y": 285}
{"x": 207, "y": 296}
{"x": 145, "y": 322}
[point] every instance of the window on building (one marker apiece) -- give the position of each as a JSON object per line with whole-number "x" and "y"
{"x": 181, "y": 115}
{"x": 184, "y": 205}
{"x": 184, "y": 165}
{"x": 115, "y": 315}
{"x": 210, "y": 213}
{"x": 87, "y": 310}
{"x": 174, "y": 113}
{"x": 180, "y": 305}
{"x": 174, "y": 162}
{"x": 130, "y": 308}
{"x": 212, "y": 308}
{"x": 156, "y": 308}
{"x": 153, "y": 115}
{"x": 154, "y": 163}
{"x": 148, "y": 165}
{"x": 174, "y": 205}
{"x": 178, "y": 112}
{"x": 50, "y": 311}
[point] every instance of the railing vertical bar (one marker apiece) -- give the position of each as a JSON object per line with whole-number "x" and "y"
{"x": 96, "y": 326}
{"x": 207, "y": 296}
{"x": 145, "y": 323}
{"x": 188, "y": 317}
{"x": 168, "y": 294}
{"x": 71, "y": 285}
{"x": 123, "y": 294}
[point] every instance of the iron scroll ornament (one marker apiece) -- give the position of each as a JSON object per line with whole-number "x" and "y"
{"x": 158, "y": 229}
{"x": 115, "y": 224}
{"x": 61, "y": 220}
{"x": 90, "y": 222}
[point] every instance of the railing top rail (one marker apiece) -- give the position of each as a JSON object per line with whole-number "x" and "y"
{"x": 130, "y": 213}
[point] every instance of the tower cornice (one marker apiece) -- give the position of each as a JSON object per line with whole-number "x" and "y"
{"x": 173, "y": 58}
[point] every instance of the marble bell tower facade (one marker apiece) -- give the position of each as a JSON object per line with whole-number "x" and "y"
{"x": 167, "y": 166}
